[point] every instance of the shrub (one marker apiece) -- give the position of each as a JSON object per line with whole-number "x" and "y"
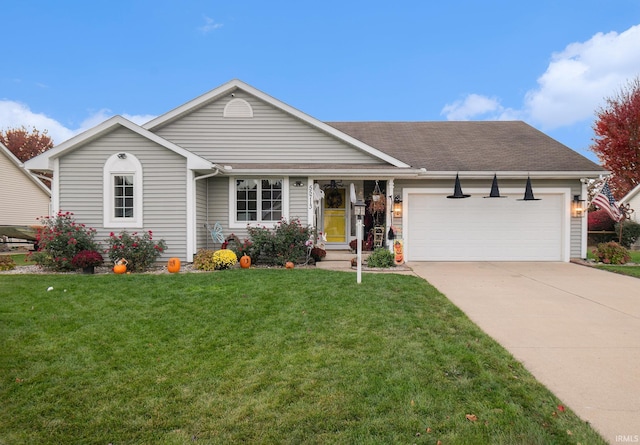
{"x": 381, "y": 257}
{"x": 239, "y": 248}
{"x": 214, "y": 260}
{"x": 611, "y": 253}
{"x": 87, "y": 258}
{"x": 318, "y": 254}
{"x": 204, "y": 260}
{"x": 224, "y": 259}
{"x": 286, "y": 242}
{"x": 140, "y": 251}
{"x": 7, "y": 263}
{"x": 599, "y": 220}
{"x": 630, "y": 232}
{"x": 60, "y": 239}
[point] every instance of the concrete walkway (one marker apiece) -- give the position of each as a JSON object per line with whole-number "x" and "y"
{"x": 575, "y": 328}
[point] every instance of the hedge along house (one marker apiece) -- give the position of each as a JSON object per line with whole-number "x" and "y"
{"x": 237, "y": 156}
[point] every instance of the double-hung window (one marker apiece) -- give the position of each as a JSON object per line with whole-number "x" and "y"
{"x": 259, "y": 200}
{"x": 123, "y": 200}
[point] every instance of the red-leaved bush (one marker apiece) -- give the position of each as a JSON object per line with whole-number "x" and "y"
{"x": 600, "y": 220}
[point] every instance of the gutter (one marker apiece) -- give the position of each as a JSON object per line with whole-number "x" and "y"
{"x": 514, "y": 174}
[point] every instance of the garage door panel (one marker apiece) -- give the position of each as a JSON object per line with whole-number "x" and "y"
{"x": 479, "y": 229}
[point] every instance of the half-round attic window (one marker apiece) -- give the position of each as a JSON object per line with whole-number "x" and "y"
{"x": 238, "y": 108}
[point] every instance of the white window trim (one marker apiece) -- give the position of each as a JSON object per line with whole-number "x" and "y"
{"x": 234, "y": 224}
{"x": 118, "y": 165}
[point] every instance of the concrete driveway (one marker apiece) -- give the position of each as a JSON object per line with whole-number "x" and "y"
{"x": 575, "y": 328}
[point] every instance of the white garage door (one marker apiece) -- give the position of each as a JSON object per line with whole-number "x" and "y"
{"x": 481, "y": 229}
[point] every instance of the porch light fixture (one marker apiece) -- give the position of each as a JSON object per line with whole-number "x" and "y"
{"x": 528, "y": 192}
{"x": 397, "y": 206}
{"x": 495, "y": 192}
{"x": 457, "y": 190}
{"x": 298, "y": 184}
{"x": 578, "y": 206}
{"x": 359, "y": 209}
{"x": 122, "y": 156}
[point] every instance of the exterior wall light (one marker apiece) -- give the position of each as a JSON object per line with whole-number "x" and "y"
{"x": 578, "y": 207}
{"x": 397, "y": 207}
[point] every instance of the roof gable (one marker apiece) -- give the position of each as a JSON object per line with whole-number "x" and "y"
{"x": 632, "y": 194}
{"x": 21, "y": 167}
{"x": 44, "y": 160}
{"x": 234, "y": 85}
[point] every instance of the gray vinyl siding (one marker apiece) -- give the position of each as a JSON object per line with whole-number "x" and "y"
{"x": 575, "y": 185}
{"x": 164, "y": 186}
{"x": 271, "y": 136}
{"x": 299, "y": 200}
{"x": 201, "y": 213}
{"x": 218, "y": 211}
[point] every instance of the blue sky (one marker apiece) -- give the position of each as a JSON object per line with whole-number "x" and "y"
{"x": 69, "y": 65}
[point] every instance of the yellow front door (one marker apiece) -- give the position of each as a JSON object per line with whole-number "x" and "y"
{"x": 335, "y": 215}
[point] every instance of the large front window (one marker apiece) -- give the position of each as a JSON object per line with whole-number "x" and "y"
{"x": 259, "y": 200}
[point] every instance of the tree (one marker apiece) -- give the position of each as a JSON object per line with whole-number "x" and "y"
{"x": 25, "y": 144}
{"x": 617, "y": 138}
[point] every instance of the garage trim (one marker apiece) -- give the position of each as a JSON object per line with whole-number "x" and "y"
{"x": 511, "y": 192}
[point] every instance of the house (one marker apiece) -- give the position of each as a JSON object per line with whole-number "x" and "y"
{"x": 633, "y": 199}
{"x": 24, "y": 197}
{"x": 237, "y": 156}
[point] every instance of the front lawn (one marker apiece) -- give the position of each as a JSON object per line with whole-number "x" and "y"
{"x": 631, "y": 270}
{"x": 259, "y": 356}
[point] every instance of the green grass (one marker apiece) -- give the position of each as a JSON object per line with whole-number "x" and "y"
{"x": 20, "y": 259}
{"x": 259, "y": 356}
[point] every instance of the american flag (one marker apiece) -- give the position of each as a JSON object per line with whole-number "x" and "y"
{"x": 607, "y": 202}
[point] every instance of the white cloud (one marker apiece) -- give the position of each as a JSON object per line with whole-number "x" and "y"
{"x": 575, "y": 83}
{"x": 15, "y": 115}
{"x": 579, "y": 78}
{"x": 472, "y": 106}
{"x": 209, "y": 25}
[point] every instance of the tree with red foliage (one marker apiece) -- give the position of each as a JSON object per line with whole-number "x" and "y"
{"x": 617, "y": 138}
{"x": 25, "y": 144}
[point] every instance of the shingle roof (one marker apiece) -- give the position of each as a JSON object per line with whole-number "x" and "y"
{"x": 469, "y": 145}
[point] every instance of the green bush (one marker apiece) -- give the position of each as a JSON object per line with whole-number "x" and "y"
{"x": 140, "y": 251}
{"x": 630, "y": 232}
{"x": 611, "y": 253}
{"x": 7, "y": 263}
{"x": 381, "y": 257}
{"x": 239, "y": 248}
{"x": 288, "y": 241}
{"x": 59, "y": 239}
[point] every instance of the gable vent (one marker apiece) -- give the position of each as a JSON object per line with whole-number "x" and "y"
{"x": 238, "y": 108}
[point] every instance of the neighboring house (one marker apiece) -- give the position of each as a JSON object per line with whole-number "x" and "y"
{"x": 633, "y": 199}
{"x": 24, "y": 197}
{"x": 238, "y": 156}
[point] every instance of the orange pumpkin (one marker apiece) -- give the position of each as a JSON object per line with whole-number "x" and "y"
{"x": 289, "y": 265}
{"x": 173, "y": 265}
{"x": 120, "y": 266}
{"x": 245, "y": 261}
